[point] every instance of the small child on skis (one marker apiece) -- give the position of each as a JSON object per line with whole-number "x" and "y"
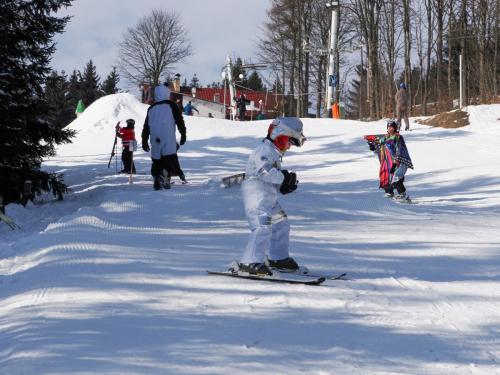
{"x": 265, "y": 179}
{"x": 129, "y": 145}
{"x": 394, "y": 160}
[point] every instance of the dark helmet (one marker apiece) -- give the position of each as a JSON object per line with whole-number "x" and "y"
{"x": 130, "y": 123}
{"x": 402, "y": 85}
{"x": 392, "y": 124}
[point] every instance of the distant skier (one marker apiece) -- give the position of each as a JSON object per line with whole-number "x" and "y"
{"x": 394, "y": 159}
{"x": 241, "y": 105}
{"x": 129, "y": 145}
{"x": 161, "y": 120}
{"x": 402, "y": 106}
{"x": 269, "y": 225}
{"x": 262, "y": 111}
{"x": 189, "y": 108}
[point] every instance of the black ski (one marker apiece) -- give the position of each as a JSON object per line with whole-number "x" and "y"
{"x": 278, "y": 277}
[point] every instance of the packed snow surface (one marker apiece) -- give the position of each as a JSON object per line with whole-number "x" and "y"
{"x": 113, "y": 280}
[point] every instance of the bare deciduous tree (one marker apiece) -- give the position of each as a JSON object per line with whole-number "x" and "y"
{"x": 369, "y": 13}
{"x": 151, "y": 49}
{"x": 439, "y": 7}
{"x": 415, "y": 41}
{"x": 407, "y": 44}
{"x": 390, "y": 45}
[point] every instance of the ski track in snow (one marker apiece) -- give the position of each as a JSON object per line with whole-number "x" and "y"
{"x": 112, "y": 280}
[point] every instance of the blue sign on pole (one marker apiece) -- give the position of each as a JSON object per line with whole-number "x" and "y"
{"x": 333, "y": 80}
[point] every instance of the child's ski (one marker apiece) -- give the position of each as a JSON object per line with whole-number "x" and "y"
{"x": 304, "y": 271}
{"x": 277, "y": 277}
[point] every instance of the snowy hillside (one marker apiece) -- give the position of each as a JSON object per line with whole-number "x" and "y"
{"x": 96, "y": 125}
{"x": 112, "y": 280}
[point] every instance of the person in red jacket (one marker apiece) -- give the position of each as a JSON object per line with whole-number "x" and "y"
{"x": 129, "y": 144}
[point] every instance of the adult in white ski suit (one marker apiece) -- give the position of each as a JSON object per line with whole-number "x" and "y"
{"x": 269, "y": 225}
{"x": 161, "y": 121}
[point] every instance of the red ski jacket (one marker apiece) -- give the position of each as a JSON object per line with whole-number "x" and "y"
{"x": 127, "y": 135}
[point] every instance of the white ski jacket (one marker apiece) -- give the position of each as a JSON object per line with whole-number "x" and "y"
{"x": 160, "y": 124}
{"x": 263, "y": 177}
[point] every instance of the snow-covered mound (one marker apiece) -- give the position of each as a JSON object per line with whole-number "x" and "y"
{"x": 96, "y": 125}
{"x": 484, "y": 117}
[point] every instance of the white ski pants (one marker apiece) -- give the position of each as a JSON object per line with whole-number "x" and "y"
{"x": 270, "y": 232}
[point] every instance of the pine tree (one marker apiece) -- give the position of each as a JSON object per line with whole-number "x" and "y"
{"x": 74, "y": 92}
{"x": 27, "y": 131}
{"x": 89, "y": 84}
{"x": 356, "y": 95}
{"x": 57, "y": 96}
{"x": 110, "y": 84}
{"x": 195, "y": 82}
{"x": 238, "y": 73}
{"x": 254, "y": 82}
{"x": 277, "y": 87}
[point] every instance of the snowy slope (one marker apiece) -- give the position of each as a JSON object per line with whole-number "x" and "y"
{"x": 96, "y": 125}
{"x": 112, "y": 280}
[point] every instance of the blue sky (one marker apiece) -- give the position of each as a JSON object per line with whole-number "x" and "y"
{"x": 216, "y": 28}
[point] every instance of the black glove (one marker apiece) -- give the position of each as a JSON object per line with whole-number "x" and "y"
{"x": 372, "y": 146}
{"x": 183, "y": 139}
{"x": 289, "y": 183}
{"x": 145, "y": 146}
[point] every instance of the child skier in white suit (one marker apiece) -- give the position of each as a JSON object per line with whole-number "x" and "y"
{"x": 264, "y": 180}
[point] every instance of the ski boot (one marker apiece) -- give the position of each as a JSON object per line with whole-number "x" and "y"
{"x": 166, "y": 183}
{"x": 287, "y": 264}
{"x": 402, "y": 197}
{"x": 255, "y": 269}
{"x": 157, "y": 183}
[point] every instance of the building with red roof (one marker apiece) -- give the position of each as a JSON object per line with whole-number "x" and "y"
{"x": 266, "y": 102}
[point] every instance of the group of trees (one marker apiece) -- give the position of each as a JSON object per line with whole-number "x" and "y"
{"x": 28, "y": 131}
{"x": 63, "y": 93}
{"x": 415, "y": 41}
{"x": 294, "y": 45}
{"x": 245, "y": 81}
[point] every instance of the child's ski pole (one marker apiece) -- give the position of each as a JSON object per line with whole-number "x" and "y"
{"x": 113, "y": 150}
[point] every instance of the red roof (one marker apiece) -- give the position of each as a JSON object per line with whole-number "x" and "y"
{"x": 217, "y": 95}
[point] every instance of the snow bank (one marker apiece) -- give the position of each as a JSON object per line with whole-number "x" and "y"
{"x": 484, "y": 117}
{"x": 96, "y": 125}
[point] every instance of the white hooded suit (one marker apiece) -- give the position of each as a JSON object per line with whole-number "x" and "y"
{"x": 162, "y": 124}
{"x": 269, "y": 225}
{"x": 159, "y": 128}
